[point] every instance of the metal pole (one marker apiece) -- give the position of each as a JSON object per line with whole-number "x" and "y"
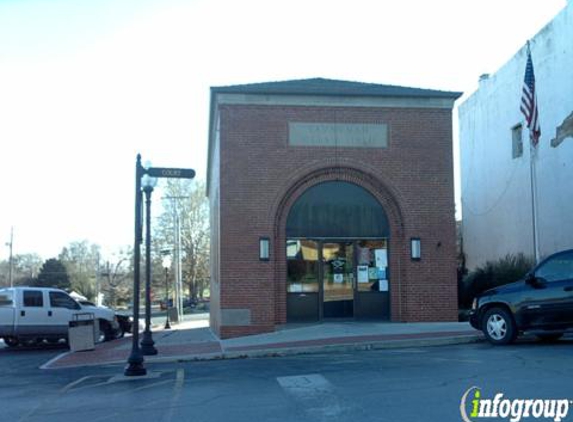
{"x": 167, "y": 324}
{"x": 10, "y": 273}
{"x": 97, "y": 274}
{"x": 533, "y": 184}
{"x": 135, "y": 361}
{"x": 178, "y": 289}
{"x": 175, "y": 256}
{"x": 179, "y": 271}
{"x": 147, "y": 343}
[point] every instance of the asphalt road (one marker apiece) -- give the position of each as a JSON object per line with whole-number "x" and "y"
{"x": 423, "y": 384}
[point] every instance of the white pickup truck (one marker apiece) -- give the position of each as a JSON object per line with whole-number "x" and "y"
{"x": 31, "y": 315}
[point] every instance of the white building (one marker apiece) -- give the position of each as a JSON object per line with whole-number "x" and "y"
{"x": 495, "y": 155}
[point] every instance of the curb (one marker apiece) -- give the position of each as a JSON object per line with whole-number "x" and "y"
{"x": 268, "y": 350}
{"x": 351, "y": 347}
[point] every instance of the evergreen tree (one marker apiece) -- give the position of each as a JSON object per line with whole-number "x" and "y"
{"x": 53, "y": 274}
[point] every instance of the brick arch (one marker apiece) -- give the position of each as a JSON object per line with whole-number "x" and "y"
{"x": 388, "y": 199}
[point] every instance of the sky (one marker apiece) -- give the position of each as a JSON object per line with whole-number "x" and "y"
{"x": 86, "y": 85}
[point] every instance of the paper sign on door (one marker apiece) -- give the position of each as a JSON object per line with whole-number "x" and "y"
{"x": 381, "y": 256}
{"x": 363, "y": 273}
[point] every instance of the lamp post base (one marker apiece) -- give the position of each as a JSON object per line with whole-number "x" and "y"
{"x": 147, "y": 344}
{"x": 135, "y": 367}
{"x": 167, "y": 324}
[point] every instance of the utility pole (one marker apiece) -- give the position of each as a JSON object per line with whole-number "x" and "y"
{"x": 179, "y": 270}
{"x": 11, "y": 262}
{"x": 177, "y": 250}
{"x": 98, "y": 271}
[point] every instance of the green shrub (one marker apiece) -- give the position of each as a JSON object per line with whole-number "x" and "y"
{"x": 492, "y": 274}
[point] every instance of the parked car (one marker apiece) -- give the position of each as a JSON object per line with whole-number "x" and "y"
{"x": 189, "y": 303}
{"x": 163, "y": 305}
{"x": 35, "y": 314}
{"x": 541, "y": 303}
{"x": 124, "y": 320}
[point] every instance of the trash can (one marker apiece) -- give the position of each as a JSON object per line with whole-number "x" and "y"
{"x": 81, "y": 332}
{"x": 173, "y": 314}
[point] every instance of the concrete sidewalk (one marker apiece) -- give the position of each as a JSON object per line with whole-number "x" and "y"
{"x": 193, "y": 340}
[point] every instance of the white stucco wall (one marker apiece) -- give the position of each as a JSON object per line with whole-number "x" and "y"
{"x": 495, "y": 189}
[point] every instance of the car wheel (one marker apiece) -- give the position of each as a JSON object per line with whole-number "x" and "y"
{"x": 103, "y": 331}
{"x": 549, "y": 337}
{"x": 11, "y": 341}
{"x": 119, "y": 333}
{"x": 32, "y": 342}
{"x": 498, "y": 326}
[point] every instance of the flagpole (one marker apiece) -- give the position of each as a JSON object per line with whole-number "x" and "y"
{"x": 533, "y": 185}
{"x": 529, "y": 108}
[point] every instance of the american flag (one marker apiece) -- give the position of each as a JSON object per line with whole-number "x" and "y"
{"x": 529, "y": 102}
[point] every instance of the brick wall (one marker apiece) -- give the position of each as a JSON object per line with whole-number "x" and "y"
{"x": 261, "y": 177}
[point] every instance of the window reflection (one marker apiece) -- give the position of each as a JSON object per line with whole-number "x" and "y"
{"x": 370, "y": 272}
{"x": 302, "y": 266}
{"x": 557, "y": 269}
{"x": 338, "y": 271}
{"x": 347, "y": 266}
{"x": 5, "y": 298}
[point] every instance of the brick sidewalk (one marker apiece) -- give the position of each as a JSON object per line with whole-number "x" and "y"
{"x": 196, "y": 344}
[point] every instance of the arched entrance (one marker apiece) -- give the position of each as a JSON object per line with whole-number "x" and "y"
{"x": 337, "y": 254}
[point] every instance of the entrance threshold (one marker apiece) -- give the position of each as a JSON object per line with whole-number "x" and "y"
{"x": 360, "y": 324}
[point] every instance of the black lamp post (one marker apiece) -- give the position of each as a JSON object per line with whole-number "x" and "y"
{"x": 135, "y": 361}
{"x": 147, "y": 343}
{"x": 166, "y": 265}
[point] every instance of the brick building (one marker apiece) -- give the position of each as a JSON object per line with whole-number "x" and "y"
{"x": 330, "y": 199}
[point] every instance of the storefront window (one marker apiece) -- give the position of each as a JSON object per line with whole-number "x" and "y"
{"x": 338, "y": 271}
{"x": 302, "y": 266}
{"x": 372, "y": 266}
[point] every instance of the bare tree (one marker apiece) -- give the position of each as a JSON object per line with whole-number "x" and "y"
{"x": 25, "y": 269}
{"x": 186, "y": 201}
{"x": 116, "y": 279}
{"x": 81, "y": 259}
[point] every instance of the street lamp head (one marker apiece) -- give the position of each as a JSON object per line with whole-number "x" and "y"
{"x": 166, "y": 261}
{"x": 148, "y": 182}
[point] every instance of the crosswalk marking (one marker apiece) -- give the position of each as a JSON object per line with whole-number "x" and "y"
{"x": 316, "y": 395}
{"x": 305, "y": 384}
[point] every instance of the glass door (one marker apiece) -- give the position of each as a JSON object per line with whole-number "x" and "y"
{"x": 372, "y": 298}
{"x": 338, "y": 279}
{"x": 302, "y": 280}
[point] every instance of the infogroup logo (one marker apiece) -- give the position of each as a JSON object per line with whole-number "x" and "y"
{"x": 474, "y": 407}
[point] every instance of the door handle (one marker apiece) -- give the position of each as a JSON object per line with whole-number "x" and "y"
{"x": 568, "y": 289}
{"x": 22, "y": 313}
{"x": 49, "y": 313}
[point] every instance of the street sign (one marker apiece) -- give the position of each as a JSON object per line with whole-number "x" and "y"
{"x": 170, "y": 172}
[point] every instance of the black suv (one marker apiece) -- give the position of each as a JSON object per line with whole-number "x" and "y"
{"x": 541, "y": 303}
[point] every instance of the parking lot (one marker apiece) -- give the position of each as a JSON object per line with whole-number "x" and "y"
{"x": 386, "y": 385}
